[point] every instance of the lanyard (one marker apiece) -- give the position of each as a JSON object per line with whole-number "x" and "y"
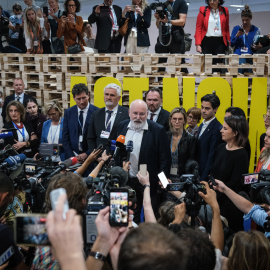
{"x": 109, "y": 120}
{"x": 22, "y": 132}
{"x": 52, "y": 138}
{"x": 173, "y": 153}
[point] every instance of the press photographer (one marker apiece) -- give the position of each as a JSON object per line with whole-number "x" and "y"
{"x": 170, "y": 20}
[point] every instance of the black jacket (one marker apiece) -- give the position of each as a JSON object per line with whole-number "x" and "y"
{"x": 186, "y": 150}
{"x": 142, "y": 23}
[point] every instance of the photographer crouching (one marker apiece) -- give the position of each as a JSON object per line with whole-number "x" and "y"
{"x": 170, "y": 19}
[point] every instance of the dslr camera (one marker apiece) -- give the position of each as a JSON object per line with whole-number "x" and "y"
{"x": 160, "y": 8}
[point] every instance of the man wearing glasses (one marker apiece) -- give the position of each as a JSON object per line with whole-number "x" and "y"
{"x": 150, "y": 147}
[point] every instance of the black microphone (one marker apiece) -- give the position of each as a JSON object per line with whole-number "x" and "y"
{"x": 108, "y": 147}
{"x": 129, "y": 149}
{"x": 192, "y": 167}
{"x": 63, "y": 165}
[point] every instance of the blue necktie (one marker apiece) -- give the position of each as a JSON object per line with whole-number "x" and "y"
{"x": 107, "y": 121}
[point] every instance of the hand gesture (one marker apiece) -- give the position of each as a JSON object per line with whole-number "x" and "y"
{"x": 221, "y": 187}
{"x": 104, "y": 156}
{"x": 199, "y": 48}
{"x": 179, "y": 213}
{"x": 138, "y": 10}
{"x": 71, "y": 18}
{"x": 97, "y": 10}
{"x": 18, "y": 145}
{"x": 210, "y": 197}
{"x": 144, "y": 180}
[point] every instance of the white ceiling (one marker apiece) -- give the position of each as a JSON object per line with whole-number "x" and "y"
{"x": 87, "y": 5}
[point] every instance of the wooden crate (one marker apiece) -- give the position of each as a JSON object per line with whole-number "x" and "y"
{"x": 31, "y": 63}
{"x": 11, "y": 62}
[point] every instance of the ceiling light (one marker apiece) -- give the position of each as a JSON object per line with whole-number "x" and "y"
{"x": 188, "y": 3}
{"x": 238, "y": 6}
{"x": 238, "y": 9}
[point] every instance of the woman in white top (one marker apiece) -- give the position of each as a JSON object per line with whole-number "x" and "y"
{"x": 52, "y": 128}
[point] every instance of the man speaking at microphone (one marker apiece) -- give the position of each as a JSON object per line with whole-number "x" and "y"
{"x": 150, "y": 147}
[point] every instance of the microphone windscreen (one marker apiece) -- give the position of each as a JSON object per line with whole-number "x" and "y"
{"x": 120, "y": 174}
{"x": 6, "y": 134}
{"x": 121, "y": 139}
{"x": 129, "y": 146}
{"x": 14, "y": 160}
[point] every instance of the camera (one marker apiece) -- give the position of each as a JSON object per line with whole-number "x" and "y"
{"x": 160, "y": 8}
{"x": 4, "y": 20}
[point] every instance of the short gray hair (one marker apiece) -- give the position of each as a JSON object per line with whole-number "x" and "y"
{"x": 114, "y": 86}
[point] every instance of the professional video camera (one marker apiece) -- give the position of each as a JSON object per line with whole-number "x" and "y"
{"x": 190, "y": 184}
{"x": 4, "y": 31}
{"x": 160, "y": 8}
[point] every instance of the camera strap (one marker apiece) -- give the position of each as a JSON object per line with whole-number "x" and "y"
{"x": 169, "y": 27}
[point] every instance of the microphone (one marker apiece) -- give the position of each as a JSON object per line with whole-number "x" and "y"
{"x": 113, "y": 145}
{"x": 6, "y": 135}
{"x": 121, "y": 139}
{"x": 192, "y": 167}
{"x": 64, "y": 165}
{"x": 108, "y": 147}
{"x": 120, "y": 174}
{"x": 13, "y": 160}
{"x": 129, "y": 149}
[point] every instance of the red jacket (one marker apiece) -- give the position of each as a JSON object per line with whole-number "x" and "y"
{"x": 260, "y": 164}
{"x": 202, "y": 24}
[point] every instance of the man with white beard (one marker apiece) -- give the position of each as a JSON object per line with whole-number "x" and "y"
{"x": 103, "y": 124}
{"x": 150, "y": 147}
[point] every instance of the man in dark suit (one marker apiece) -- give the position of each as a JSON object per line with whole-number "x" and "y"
{"x": 108, "y": 18}
{"x": 151, "y": 147}
{"x": 209, "y": 136}
{"x": 76, "y": 122}
{"x": 19, "y": 95}
{"x": 103, "y": 124}
{"x": 155, "y": 112}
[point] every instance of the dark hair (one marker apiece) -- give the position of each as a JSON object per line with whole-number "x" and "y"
{"x": 196, "y": 112}
{"x": 77, "y": 4}
{"x": 31, "y": 100}
{"x": 213, "y": 99}
{"x": 85, "y": 23}
{"x": 236, "y": 111}
{"x": 155, "y": 89}
{"x": 151, "y": 247}
{"x": 220, "y": 3}
{"x": 20, "y": 108}
{"x": 246, "y": 12}
{"x": 201, "y": 255}
{"x": 74, "y": 186}
{"x": 239, "y": 125}
{"x": 79, "y": 88}
{"x": 17, "y": 7}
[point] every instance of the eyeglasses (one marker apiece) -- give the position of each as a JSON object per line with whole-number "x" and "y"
{"x": 266, "y": 117}
{"x": 192, "y": 118}
{"x": 71, "y": 5}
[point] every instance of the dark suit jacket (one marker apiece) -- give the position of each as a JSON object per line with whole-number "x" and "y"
{"x": 11, "y": 140}
{"x": 142, "y": 23}
{"x": 12, "y": 97}
{"x": 208, "y": 144}
{"x": 163, "y": 119}
{"x": 97, "y": 124}
{"x": 154, "y": 151}
{"x": 71, "y": 131}
{"x": 104, "y": 28}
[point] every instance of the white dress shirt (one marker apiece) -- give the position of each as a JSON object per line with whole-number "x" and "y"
{"x": 155, "y": 116}
{"x": 115, "y": 109}
{"x": 205, "y": 125}
{"x": 21, "y": 96}
{"x": 214, "y": 26}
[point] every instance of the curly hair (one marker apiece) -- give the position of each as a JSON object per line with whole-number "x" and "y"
{"x": 77, "y": 3}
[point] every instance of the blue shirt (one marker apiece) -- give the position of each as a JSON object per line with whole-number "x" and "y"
{"x": 244, "y": 40}
{"x": 13, "y": 19}
{"x": 258, "y": 215}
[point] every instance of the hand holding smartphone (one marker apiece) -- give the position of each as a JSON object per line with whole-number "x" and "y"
{"x": 163, "y": 179}
{"x": 54, "y": 196}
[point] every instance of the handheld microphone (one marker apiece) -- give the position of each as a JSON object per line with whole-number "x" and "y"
{"x": 64, "y": 165}
{"x": 121, "y": 139}
{"x": 13, "y": 160}
{"x": 129, "y": 149}
{"x": 192, "y": 167}
{"x": 113, "y": 145}
{"x": 6, "y": 135}
{"x": 108, "y": 147}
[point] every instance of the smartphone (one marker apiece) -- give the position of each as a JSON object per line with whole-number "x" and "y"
{"x": 54, "y": 195}
{"x": 100, "y": 147}
{"x": 30, "y": 230}
{"x": 163, "y": 179}
{"x": 250, "y": 178}
{"x": 6, "y": 255}
{"x": 132, "y": 8}
{"x": 241, "y": 30}
{"x": 143, "y": 169}
{"x": 119, "y": 214}
{"x": 65, "y": 13}
{"x": 45, "y": 11}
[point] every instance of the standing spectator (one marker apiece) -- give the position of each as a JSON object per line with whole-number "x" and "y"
{"x": 89, "y": 37}
{"x": 24, "y": 139}
{"x": 35, "y": 117}
{"x": 108, "y": 20}
{"x": 242, "y": 38}
{"x": 193, "y": 118}
{"x": 266, "y": 119}
{"x": 71, "y": 27}
{"x": 212, "y": 29}
{"x": 183, "y": 145}
{"x": 31, "y": 4}
{"x": 231, "y": 161}
{"x": 16, "y": 28}
{"x": 18, "y": 95}
{"x": 76, "y": 122}
{"x": 34, "y": 32}
{"x": 51, "y": 25}
{"x": 53, "y": 128}
{"x": 139, "y": 14}
{"x": 4, "y": 13}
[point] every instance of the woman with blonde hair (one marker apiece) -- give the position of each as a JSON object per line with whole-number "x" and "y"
{"x": 34, "y": 32}
{"x": 249, "y": 251}
{"x": 53, "y": 128}
{"x": 139, "y": 20}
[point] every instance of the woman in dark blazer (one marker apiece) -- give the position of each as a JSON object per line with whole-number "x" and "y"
{"x": 24, "y": 139}
{"x": 183, "y": 144}
{"x": 137, "y": 38}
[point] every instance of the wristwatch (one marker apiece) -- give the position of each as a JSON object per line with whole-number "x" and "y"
{"x": 146, "y": 186}
{"x": 98, "y": 256}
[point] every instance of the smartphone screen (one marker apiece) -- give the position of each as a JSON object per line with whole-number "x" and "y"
{"x": 30, "y": 230}
{"x": 143, "y": 169}
{"x": 250, "y": 178}
{"x": 163, "y": 179}
{"x": 45, "y": 10}
{"x": 119, "y": 207}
